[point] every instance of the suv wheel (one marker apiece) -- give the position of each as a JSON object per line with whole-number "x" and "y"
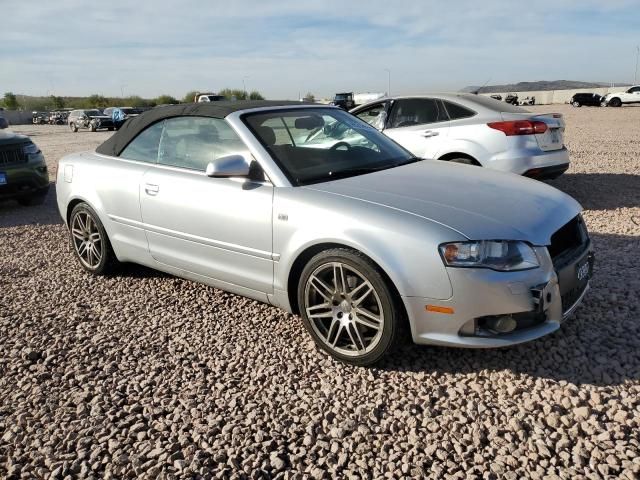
{"x": 73, "y": 127}
{"x": 615, "y": 102}
{"x": 348, "y": 307}
{"x": 575, "y": 103}
{"x": 89, "y": 241}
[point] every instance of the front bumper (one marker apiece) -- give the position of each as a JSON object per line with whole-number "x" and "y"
{"x": 539, "y": 300}
{"x": 24, "y": 180}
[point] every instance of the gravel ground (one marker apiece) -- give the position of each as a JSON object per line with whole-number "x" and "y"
{"x": 145, "y": 375}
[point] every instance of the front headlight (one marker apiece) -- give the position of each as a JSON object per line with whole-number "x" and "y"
{"x": 501, "y": 255}
{"x": 30, "y": 148}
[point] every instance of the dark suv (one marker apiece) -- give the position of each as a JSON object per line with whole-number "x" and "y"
{"x": 92, "y": 119}
{"x": 23, "y": 172}
{"x": 586, "y": 99}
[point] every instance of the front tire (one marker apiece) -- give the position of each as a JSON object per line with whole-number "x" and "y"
{"x": 89, "y": 241}
{"x": 576, "y": 104}
{"x": 348, "y": 307}
{"x": 73, "y": 127}
{"x": 615, "y": 102}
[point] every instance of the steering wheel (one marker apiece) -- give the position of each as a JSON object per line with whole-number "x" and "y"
{"x": 340, "y": 144}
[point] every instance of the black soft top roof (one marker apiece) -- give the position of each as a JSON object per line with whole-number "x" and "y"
{"x": 132, "y": 127}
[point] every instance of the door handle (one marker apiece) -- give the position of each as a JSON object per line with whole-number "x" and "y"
{"x": 151, "y": 189}
{"x": 430, "y": 133}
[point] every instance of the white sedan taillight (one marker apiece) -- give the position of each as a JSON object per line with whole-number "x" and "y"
{"x": 519, "y": 127}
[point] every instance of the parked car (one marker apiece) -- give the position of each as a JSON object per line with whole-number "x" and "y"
{"x": 23, "y": 171}
{"x": 527, "y": 101}
{"x": 4, "y": 123}
{"x": 586, "y": 99}
{"x": 511, "y": 98}
{"x": 39, "y": 118}
{"x": 629, "y": 96}
{"x": 475, "y": 130}
{"x": 57, "y": 117}
{"x": 129, "y": 112}
{"x": 92, "y": 119}
{"x": 348, "y": 228}
{"x": 207, "y": 97}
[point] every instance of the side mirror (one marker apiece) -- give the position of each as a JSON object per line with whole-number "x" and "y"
{"x": 228, "y": 166}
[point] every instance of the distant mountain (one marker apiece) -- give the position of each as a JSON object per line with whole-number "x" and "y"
{"x": 535, "y": 86}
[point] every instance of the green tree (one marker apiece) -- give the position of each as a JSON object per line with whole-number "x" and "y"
{"x": 58, "y": 102}
{"x": 309, "y": 97}
{"x": 189, "y": 96}
{"x": 97, "y": 101}
{"x": 255, "y": 95}
{"x": 164, "y": 99}
{"x": 10, "y": 101}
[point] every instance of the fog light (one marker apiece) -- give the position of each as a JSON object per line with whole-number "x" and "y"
{"x": 503, "y": 324}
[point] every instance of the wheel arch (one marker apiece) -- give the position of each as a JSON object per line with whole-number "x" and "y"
{"x": 452, "y": 155}
{"x": 309, "y": 252}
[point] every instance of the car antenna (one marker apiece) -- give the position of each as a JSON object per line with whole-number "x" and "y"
{"x": 477, "y": 91}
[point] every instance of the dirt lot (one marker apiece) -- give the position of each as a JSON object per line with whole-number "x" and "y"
{"x": 145, "y": 375}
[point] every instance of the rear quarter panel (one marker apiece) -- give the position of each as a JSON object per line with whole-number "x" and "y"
{"x": 110, "y": 186}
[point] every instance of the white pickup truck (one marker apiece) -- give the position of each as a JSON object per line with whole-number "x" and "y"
{"x": 208, "y": 97}
{"x": 617, "y": 99}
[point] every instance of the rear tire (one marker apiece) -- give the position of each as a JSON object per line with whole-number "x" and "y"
{"x": 89, "y": 241}
{"x": 348, "y": 307}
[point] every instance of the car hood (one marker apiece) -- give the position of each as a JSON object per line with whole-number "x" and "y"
{"x": 479, "y": 203}
{"x": 100, "y": 117}
{"x": 7, "y": 137}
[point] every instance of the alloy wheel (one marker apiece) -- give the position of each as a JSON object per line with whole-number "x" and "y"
{"x": 344, "y": 309}
{"x": 87, "y": 240}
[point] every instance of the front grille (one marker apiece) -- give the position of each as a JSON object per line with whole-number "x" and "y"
{"x": 13, "y": 155}
{"x": 569, "y": 242}
{"x": 571, "y": 297}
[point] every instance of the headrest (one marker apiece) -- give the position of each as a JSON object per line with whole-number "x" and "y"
{"x": 267, "y": 135}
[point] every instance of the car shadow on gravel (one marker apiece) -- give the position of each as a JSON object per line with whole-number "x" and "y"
{"x": 598, "y": 345}
{"x": 12, "y": 214}
{"x": 601, "y": 191}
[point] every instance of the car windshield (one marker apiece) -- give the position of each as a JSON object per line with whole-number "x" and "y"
{"x": 313, "y": 145}
{"x": 92, "y": 113}
{"x": 342, "y": 96}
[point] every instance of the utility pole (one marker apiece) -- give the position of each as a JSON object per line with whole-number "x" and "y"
{"x": 244, "y": 87}
{"x": 635, "y": 76}
{"x": 388, "y": 81}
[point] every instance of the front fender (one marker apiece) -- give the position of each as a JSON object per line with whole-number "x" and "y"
{"x": 404, "y": 246}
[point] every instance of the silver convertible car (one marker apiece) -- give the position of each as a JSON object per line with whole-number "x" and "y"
{"x": 310, "y": 209}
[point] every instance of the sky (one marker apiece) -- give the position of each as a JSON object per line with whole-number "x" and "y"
{"x": 291, "y": 47}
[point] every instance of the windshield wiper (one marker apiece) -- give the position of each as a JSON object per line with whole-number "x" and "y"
{"x": 363, "y": 170}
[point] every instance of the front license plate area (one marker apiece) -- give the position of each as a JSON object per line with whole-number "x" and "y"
{"x": 3, "y": 178}
{"x": 583, "y": 271}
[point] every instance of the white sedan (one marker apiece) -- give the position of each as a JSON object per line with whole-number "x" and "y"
{"x": 475, "y": 130}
